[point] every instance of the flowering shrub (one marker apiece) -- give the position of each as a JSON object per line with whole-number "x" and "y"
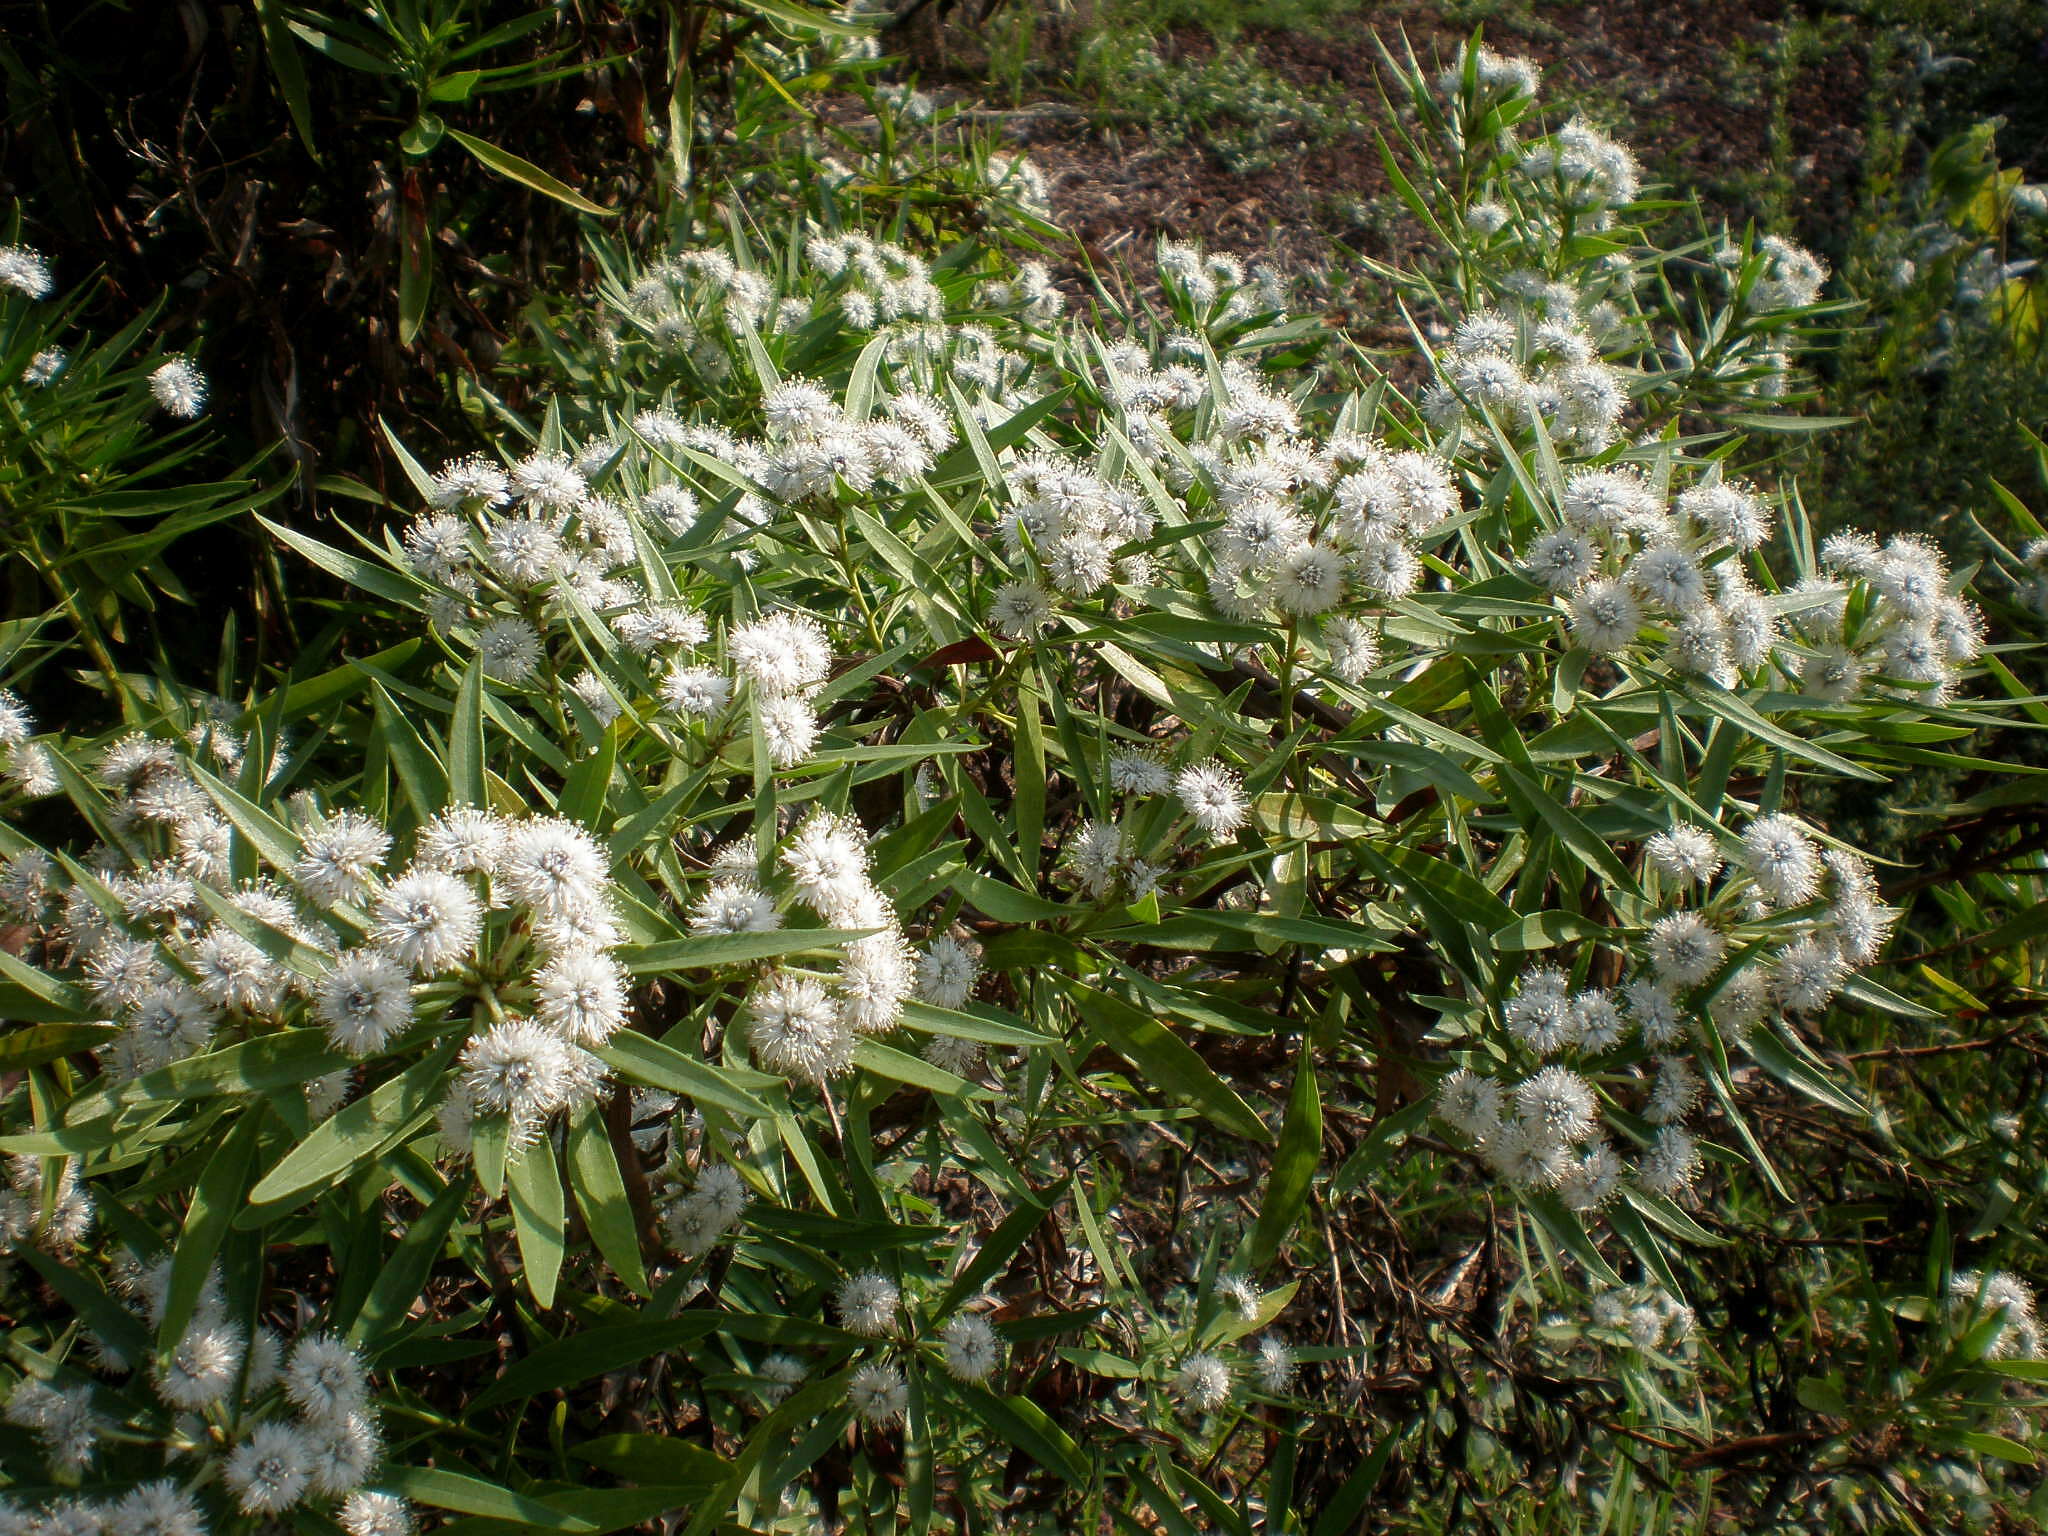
{"x": 882, "y": 761}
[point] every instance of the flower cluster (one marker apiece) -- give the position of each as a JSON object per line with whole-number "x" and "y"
{"x": 1770, "y": 922}
{"x": 281, "y": 1424}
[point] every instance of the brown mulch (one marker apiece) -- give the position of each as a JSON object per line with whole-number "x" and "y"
{"x": 1653, "y": 71}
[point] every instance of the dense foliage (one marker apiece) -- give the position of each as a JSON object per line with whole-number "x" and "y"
{"x": 895, "y": 901}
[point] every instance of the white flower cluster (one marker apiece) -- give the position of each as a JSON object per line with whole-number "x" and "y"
{"x": 1538, "y": 361}
{"x": 1882, "y": 616}
{"x": 1776, "y": 886}
{"x": 1216, "y": 286}
{"x": 1626, "y": 557}
{"x": 1102, "y": 858}
{"x": 1585, "y": 170}
{"x": 693, "y": 1221}
{"x": 1648, "y": 1317}
{"x": 21, "y": 1205}
{"x": 1975, "y": 1297}
{"x": 800, "y": 1024}
{"x": 281, "y": 1425}
{"x": 23, "y": 759}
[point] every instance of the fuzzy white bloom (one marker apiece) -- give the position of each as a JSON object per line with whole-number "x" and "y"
{"x": 179, "y": 388}
{"x": 1213, "y": 796}
{"x": 1202, "y": 1383}
{"x": 1471, "y": 1102}
{"x": 1671, "y": 1164}
{"x": 1273, "y": 1366}
{"x": 581, "y": 996}
{"x": 268, "y": 1473}
{"x": 427, "y": 920}
{"x": 784, "y": 653}
{"x": 789, "y": 728}
{"x": 160, "y": 1508}
{"x": 364, "y": 1001}
{"x": 518, "y": 1069}
{"x": 795, "y": 1029}
{"x": 1605, "y": 617}
{"x": 339, "y": 856}
{"x": 867, "y": 1303}
{"x": 972, "y": 1349}
{"x": 365, "y": 1513}
{"x": 25, "y": 271}
{"x": 341, "y": 1452}
{"x": 1782, "y": 860}
{"x": 1685, "y": 949}
{"x": 947, "y": 970}
{"x": 553, "y": 866}
{"x": 1561, "y": 1103}
{"x": 1019, "y": 610}
{"x": 879, "y": 1394}
{"x": 1974, "y": 1296}
{"x": 780, "y": 1375}
{"x": 1688, "y": 855}
{"x": 550, "y": 482}
{"x": 461, "y": 840}
{"x": 734, "y": 904}
{"x": 695, "y": 692}
{"x": 827, "y": 860}
{"x": 325, "y": 1379}
{"x": 510, "y": 649}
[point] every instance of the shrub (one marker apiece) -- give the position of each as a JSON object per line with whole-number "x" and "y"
{"x": 951, "y": 914}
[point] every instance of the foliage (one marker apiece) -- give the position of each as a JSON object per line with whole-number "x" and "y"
{"x": 893, "y": 906}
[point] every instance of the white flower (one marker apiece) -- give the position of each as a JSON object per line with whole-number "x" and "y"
{"x": 339, "y": 857}
{"x": 340, "y": 1453}
{"x": 1528, "y": 1156}
{"x": 518, "y": 1069}
{"x": 1596, "y": 1021}
{"x": 827, "y": 860}
{"x": 972, "y": 1349}
{"x": 553, "y": 866}
{"x": 461, "y": 840}
{"x": 45, "y": 366}
{"x": 427, "y": 920}
{"x": 878, "y": 1394}
{"x": 1668, "y": 575}
{"x": 695, "y": 692}
{"x": 364, "y": 1001}
{"x": 1684, "y": 949}
{"x": 867, "y": 1304}
{"x": 25, "y": 271}
{"x": 1806, "y": 974}
{"x": 784, "y": 653}
{"x": 510, "y": 649}
{"x": 1019, "y": 610}
{"x": 268, "y": 1471}
{"x": 1594, "y": 1180}
{"x": 1471, "y": 1102}
{"x": 1213, "y": 796}
{"x": 1688, "y": 855}
{"x": 365, "y": 1513}
{"x": 1561, "y": 1102}
{"x": 789, "y": 727}
{"x": 160, "y": 1508}
{"x": 946, "y": 972}
{"x": 1671, "y": 1164}
{"x": 1308, "y": 579}
{"x": 1561, "y": 560}
{"x": 1655, "y": 1010}
{"x": 1354, "y": 649}
{"x": 179, "y": 388}
{"x": 795, "y": 1029}
{"x": 780, "y": 1373}
{"x": 550, "y": 481}
{"x": 1202, "y": 1383}
{"x": 525, "y": 551}
{"x": 734, "y": 904}
{"x": 1605, "y": 617}
{"x": 581, "y": 996}
{"x": 1782, "y": 860}
{"x": 325, "y": 1379}
{"x": 877, "y": 974}
{"x": 1273, "y": 1365}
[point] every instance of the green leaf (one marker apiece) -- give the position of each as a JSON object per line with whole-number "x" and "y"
{"x": 656, "y": 1065}
{"x": 215, "y": 1200}
{"x": 466, "y": 739}
{"x": 419, "y": 771}
{"x": 1022, "y": 1423}
{"x": 403, "y": 1278}
{"x": 358, "y": 1132}
{"x": 710, "y": 950}
{"x": 527, "y": 174}
{"x": 1167, "y": 1061}
{"x": 33, "y": 1046}
{"x": 539, "y": 1217}
{"x": 1294, "y": 1166}
{"x": 661, "y": 1459}
{"x": 441, "y": 1488}
{"x": 601, "y": 1195}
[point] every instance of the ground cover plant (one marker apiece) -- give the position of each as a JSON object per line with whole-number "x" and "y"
{"x": 903, "y": 900}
